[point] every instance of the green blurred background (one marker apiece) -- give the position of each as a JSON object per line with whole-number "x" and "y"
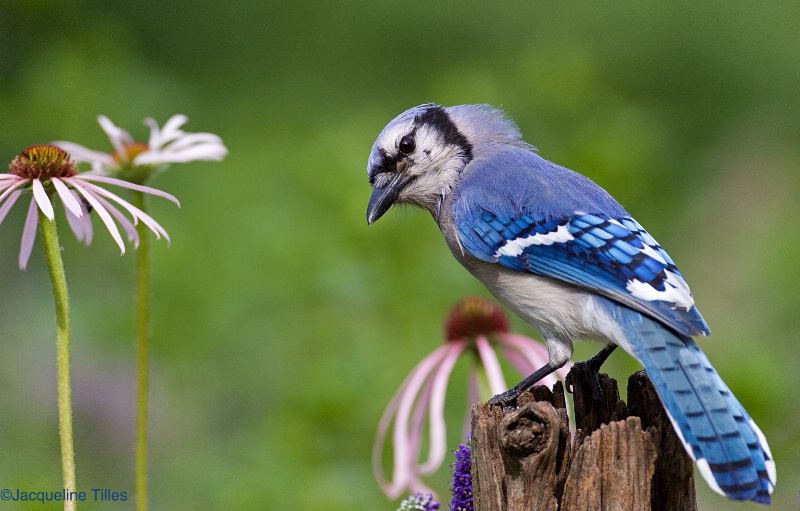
{"x": 282, "y": 323}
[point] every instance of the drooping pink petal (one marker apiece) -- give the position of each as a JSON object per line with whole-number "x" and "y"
{"x": 76, "y": 224}
{"x": 135, "y": 212}
{"x": 404, "y": 461}
{"x": 380, "y": 439}
{"x": 28, "y": 235}
{"x": 86, "y": 219}
{"x": 101, "y": 211}
{"x": 67, "y": 199}
{"x": 400, "y": 409}
{"x": 8, "y": 204}
{"x": 130, "y": 230}
{"x": 438, "y": 431}
{"x": 415, "y": 433}
{"x": 119, "y": 137}
{"x": 10, "y": 189}
{"x": 125, "y": 184}
{"x": 494, "y": 373}
{"x": 416, "y": 428}
{"x": 43, "y": 200}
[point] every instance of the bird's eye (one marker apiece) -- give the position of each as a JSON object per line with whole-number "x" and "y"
{"x": 407, "y": 145}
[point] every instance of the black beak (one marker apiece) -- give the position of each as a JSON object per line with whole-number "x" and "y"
{"x": 383, "y": 197}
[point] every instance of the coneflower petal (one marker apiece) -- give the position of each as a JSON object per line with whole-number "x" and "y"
{"x": 9, "y": 190}
{"x": 8, "y": 204}
{"x": 127, "y": 226}
{"x": 43, "y": 200}
{"x": 76, "y": 224}
{"x": 170, "y": 131}
{"x": 438, "y": 430}
{"x": 135, "y": 212}
{"x": 101, "y": 211}
{"x": 404, "y": 399}
{"x": 28, "y": 235}
{"x": 193, "y": 140}
{"x": 119, "y": 137}
{"x": 86, "y": 219}
{"x": 491, "y": 365}
{"x": 131, "y": 186}
{"x": 69, "y": 201}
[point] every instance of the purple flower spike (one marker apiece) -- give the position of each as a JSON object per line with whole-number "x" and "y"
{"x": 461, "y": 486}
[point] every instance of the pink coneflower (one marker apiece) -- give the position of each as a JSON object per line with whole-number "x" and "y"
{"x": 136, "y": 161}
{"x": 477, "y": 326}
{"x": 48, "y": 170}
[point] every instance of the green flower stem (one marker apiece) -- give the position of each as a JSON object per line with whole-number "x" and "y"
{"x": 52, "y": 252}
{"x": 142, "y": 356}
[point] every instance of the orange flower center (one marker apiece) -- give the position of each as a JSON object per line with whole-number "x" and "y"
{"x": 131, "y": 151}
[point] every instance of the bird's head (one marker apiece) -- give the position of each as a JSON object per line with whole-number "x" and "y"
{"x": 419, "y": 156}
{"x": 416, "y": 159}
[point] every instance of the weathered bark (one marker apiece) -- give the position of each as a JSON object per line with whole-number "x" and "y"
{"x": 621, "y": 458}
{"x": 673, "y": 481}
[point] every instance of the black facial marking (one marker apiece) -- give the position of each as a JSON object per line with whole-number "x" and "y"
{"x": 437, "y": 117}
{"x": 387, "y": 163}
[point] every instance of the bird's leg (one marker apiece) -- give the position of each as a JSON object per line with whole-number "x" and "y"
{"x": 592, "y": 370}
{"x": 508, "y": 399}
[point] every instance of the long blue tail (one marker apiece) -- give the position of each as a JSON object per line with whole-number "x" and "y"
{"x": 729, "y": 449}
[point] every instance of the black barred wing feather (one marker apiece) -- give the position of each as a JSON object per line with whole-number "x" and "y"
{"x": 615, "y": 257}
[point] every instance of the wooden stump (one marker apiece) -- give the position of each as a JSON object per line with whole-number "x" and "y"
{"x": 622, "y": 457}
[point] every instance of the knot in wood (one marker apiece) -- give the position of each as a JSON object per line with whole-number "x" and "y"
{"x": 524, "y": 432}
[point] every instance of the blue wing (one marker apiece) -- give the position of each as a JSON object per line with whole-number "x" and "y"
{"x": 528, "y": 214}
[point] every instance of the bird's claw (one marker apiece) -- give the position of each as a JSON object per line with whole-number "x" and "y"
{"x": 507, "y": 401}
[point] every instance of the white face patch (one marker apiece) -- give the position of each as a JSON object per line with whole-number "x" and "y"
{"x": 676, "y": 291}
{"x": 515, "y": 247}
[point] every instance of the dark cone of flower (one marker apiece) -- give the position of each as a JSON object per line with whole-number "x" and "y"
{"x": 43, "y": 162}
{"x": 472, "y": 317}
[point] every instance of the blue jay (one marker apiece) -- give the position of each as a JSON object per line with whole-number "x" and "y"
{"x": 560, "y": 252}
